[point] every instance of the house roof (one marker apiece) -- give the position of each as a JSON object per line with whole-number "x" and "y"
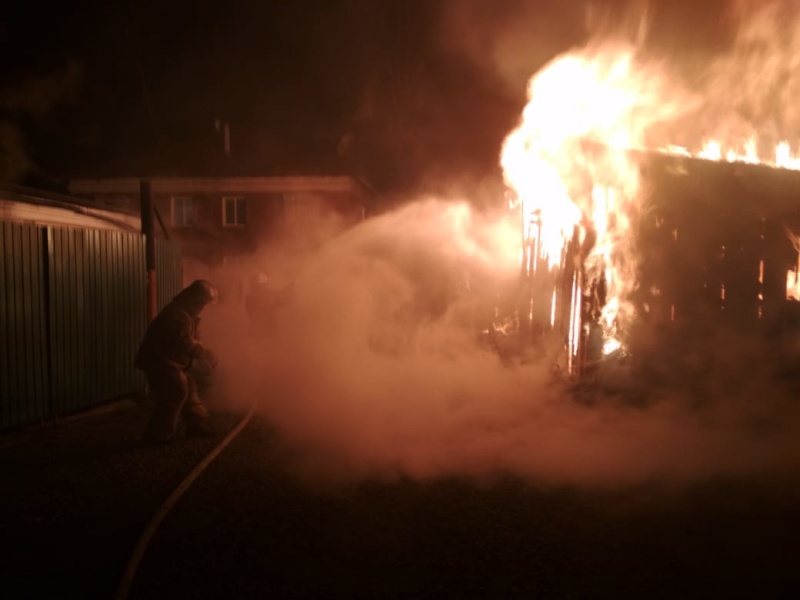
{"x": 255, "y": 163}
{"x": 250, "y": 156}
{"x": 21, "y": 204}
{"x": 201, "y": 185}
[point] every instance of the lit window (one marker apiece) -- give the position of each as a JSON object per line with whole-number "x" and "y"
{"x": 183, "y": 211}
{"x": 234, "y": 211}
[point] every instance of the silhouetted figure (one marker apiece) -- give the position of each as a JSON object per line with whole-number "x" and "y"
{"x": 168, "y": 352}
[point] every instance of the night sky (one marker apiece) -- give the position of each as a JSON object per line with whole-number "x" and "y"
{"x": 427, "y": 88}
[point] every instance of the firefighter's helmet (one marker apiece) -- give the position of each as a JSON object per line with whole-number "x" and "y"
{"x": 201, "y": 292}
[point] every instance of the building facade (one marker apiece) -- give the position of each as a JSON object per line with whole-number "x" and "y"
{"x": 221, "y": 218}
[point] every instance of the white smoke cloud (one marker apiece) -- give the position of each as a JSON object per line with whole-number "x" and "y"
{"x": 378, "y": 371}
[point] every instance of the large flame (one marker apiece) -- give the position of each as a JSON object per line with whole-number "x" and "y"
{"x": 570, "y": 164}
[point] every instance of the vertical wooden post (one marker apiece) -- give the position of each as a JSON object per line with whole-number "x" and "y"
{"x": 148, "y": 230}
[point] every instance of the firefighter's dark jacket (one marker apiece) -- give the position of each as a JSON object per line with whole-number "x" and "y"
{"x": 171, "y": 340}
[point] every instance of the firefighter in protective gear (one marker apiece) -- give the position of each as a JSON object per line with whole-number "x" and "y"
{"x": 169, "y": 349}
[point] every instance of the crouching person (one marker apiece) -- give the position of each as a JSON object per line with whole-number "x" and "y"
{"x": 168, "y": 351}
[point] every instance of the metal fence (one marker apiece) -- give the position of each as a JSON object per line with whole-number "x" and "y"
{"x": 169, "y": 273}
{"x": 72, "y": 312}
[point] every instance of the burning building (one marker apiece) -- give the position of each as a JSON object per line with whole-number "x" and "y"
{"x": 715, "y": 250}
{"x": 636, "y": 250}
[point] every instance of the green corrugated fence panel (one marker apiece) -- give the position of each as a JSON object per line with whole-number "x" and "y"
{"x": 72, "y": 313}
{"x": 62, "y": 317}
{"x": 23, "y": 357}
{"x": 97, "y": 314}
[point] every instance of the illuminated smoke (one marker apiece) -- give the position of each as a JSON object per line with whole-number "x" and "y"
{"x": 378, "y": 371}
{"x": 750, "y": 90}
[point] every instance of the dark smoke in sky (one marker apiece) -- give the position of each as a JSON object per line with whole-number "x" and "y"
{"x": 427, "y": 89}
{"x": 29, "y": 100}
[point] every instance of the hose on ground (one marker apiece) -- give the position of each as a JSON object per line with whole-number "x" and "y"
{"x": 141, "y": 547}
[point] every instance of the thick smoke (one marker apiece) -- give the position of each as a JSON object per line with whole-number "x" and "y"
{"x": 750, "y": 89}
{"x": 733, "y": 63}
{"x": 513, "y": 41}
{"x": 378, "y": 369}
{"x": 377, "y": 366}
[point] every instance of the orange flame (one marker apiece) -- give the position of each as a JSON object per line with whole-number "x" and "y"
{"x": 569, "y": 159}
{"x": 568, "y": 163}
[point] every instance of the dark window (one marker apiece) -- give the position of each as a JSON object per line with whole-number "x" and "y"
{"x": 234, "y": 211}
{"x": 183, "y": 211}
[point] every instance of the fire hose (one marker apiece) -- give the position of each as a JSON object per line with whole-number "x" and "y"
{"x": 144, "y": 540}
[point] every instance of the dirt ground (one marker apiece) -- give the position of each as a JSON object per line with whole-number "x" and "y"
{"x": 77, "y": 496}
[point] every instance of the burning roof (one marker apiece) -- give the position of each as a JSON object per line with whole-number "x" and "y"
{"x": 626, "y": 228}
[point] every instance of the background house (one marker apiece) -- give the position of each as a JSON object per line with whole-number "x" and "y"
{"x": 226, "y": 207}
{"x": 219, "y": 218}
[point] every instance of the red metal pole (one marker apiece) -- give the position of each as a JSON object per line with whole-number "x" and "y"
{"x": 152, "y": 298}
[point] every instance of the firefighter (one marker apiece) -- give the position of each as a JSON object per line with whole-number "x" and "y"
{"x": 168, "y": 352}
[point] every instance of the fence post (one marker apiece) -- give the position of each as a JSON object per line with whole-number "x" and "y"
{"x": 148, "y": 230}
